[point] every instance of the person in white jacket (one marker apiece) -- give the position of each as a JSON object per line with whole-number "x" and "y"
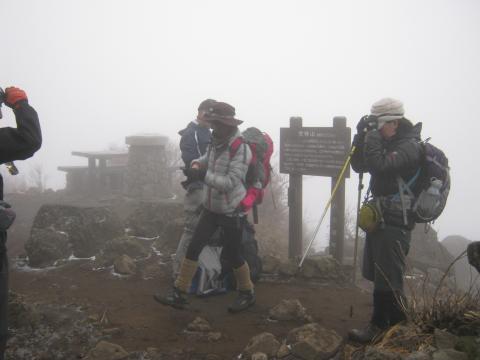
{"x": 225, "y": 178}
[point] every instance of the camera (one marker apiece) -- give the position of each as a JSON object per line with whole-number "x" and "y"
{"x": 367, "y": 123}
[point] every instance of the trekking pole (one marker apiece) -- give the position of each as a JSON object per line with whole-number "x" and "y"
{"x": 334, "y": 191}
{"x": 255, "y": 214}
{"x": 355, "y": 248}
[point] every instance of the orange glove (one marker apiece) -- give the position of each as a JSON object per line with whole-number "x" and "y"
{"x": 13, "y": 96}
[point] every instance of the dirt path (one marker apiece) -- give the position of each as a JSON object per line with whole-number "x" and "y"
{"x": 144, "y": 323}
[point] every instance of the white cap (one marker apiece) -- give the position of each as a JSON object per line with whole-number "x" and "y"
{"x": 387, "y": 109}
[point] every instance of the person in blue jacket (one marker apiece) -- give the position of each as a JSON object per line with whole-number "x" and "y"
{"x": 193, "y": 144}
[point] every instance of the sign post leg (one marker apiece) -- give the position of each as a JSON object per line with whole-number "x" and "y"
{"x": 295, "y": 204}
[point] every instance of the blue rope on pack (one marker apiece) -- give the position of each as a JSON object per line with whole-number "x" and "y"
{"x": 409, "y": 184}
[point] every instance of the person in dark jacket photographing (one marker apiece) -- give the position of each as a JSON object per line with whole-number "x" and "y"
{"x": 388, "y": 146}
{"x": 18, "y": 143}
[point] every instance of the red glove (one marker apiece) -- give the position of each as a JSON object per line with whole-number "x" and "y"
{"x": 253, "y": 194}
{"x": 13, "y": 96}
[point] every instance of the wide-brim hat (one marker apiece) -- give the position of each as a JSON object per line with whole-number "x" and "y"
{"x": 222, "y": 112}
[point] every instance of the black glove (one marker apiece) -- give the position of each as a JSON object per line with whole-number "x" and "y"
{"x": 194, "y": 174}
{"x": 367, "y": 123}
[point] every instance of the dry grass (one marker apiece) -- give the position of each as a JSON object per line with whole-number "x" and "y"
{"x": 446, "y": 307}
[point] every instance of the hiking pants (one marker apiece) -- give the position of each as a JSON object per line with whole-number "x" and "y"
{"x": 3, "y": 294}
{"x": 192, "y": 206}
{"x": 384, "y": 263}
{"x": 232, "y": 228}
{"x": 384, "y": 257}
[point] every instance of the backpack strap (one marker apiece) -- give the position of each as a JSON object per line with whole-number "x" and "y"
{"x": 234, "y": 148}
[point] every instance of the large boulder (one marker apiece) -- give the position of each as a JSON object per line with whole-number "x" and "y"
{"x": 86, "y": 228}
{"x": 46, "y": 246}
{"x": 313, "y": 342}
{"x": 426, "y": 251}
{"x": 150, "y": 219}
{"x": 465, "y": 274}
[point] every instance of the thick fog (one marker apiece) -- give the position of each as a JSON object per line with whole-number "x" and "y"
{"x": 100, "y": 70}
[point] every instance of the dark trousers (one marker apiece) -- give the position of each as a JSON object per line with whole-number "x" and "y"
{"x": 384, "y": 263}
{"x": 232, "y": 230}
{"x": 3, "y": 294}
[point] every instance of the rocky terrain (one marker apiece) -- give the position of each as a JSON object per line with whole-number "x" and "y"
{"x": 83, "y": 274}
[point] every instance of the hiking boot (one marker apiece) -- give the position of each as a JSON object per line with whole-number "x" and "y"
{"x": 244, "y": 300}
{"x": 366, "y": 335}
{"x": 175, "y": 298}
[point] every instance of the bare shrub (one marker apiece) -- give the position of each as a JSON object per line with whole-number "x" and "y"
{"x": 272, "y": 230}
{"x": 445, "y": 306}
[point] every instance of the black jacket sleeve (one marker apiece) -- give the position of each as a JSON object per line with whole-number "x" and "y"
{"x": 358, "y": 160}
{"x": 404, "y": 155}
{"x": 189, "y": 147}
{"x": 22, "y": 142}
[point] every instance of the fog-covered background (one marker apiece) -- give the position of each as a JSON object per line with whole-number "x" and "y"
{"x": 100, "y": 70}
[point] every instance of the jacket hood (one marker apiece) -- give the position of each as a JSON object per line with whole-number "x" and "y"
{"x": 407, "y": 130}
{"x": 191, "y": 125}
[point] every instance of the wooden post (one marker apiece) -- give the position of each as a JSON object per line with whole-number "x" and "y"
{"x": 92, "y": 175}
{"x": 337, "y": 211}
{"x": 295, "y": 204}
{"x": 102, "y": 173}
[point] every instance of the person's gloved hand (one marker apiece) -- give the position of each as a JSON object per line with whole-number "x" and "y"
{"x": 366, "y": 124}
{"x": 253, "y": 196}
{"x": 194, "y": 174}
{"x": 13, "y": 97}
{"x": 473, "y": 252}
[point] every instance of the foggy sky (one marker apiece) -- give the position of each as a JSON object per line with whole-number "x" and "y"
{"x": 100, "y": 70}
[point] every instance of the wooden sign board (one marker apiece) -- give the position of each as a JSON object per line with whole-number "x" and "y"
{"x": 320, "y": 151}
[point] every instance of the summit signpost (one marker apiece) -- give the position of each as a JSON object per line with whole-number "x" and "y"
{"x": 319, "y": 151}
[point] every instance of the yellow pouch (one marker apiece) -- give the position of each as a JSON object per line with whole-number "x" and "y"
{"x": 369, "y": 217}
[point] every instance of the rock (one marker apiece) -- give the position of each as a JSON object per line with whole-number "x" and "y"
{"x": 321, "y": 267}
{"x": 125, "y": 245}
{"x": 290, "y": 309}
{"x": 435, "y": 275}
{"x": 107, "y": 351}
{"x": 167, "y": 241}
{"x": 264, "y": 342}
{"x": 313, "y": 342}
{"x": 283, "y": 351}
{"x": 373, "y": 353}
{"x": 199, "y": 325}
{"x": 150, "y": 219}
{"x": 427, "y": 252}
{"x": 124, "y": 265}
{"x": 288, "y": 268}
{"x": 418, "y": 355}
{"x": 449, "y": 354}
{"x": 270, "y": 264}
{"x": 444, "y": 339}
{"x": 214, "y": 336}
{"x": 259, "y": 356}
{"x": 86, "y": 228}
{"x": 46, "y": 246}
